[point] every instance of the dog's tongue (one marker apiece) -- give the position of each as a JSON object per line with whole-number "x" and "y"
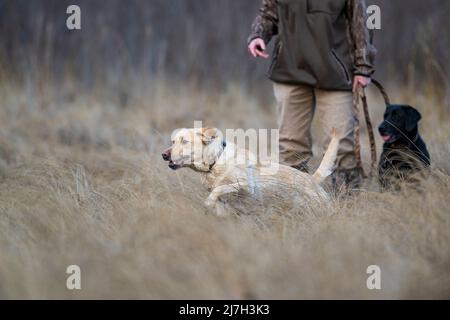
{"x": 386, "y": 138}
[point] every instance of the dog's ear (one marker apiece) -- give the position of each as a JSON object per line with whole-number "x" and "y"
{"x": 412, "y": 118}
{"x": 208, "y": 134}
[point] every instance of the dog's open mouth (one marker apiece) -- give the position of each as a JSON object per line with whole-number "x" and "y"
{"x": 388, "y": 138}
{"x": 173, "y": 165}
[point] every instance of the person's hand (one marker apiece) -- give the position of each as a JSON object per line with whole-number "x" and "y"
{"x": 257, "y": 48}
{"x": 361, "y": 81}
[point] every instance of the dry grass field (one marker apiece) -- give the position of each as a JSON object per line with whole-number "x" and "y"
{"x": 84, "y": 116}
{"x": 82, "y": 182}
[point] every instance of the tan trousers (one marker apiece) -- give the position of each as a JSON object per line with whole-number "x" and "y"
{"x": 296, "y": 107}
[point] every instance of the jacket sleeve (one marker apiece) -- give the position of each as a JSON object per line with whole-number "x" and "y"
{"x": 363, "y": 51}
{"x": 265, "y": 25}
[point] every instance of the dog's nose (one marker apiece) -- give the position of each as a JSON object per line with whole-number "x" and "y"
{"x": 165, "y": 156}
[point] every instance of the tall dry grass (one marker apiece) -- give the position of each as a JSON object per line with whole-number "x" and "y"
{"x": 82, "y": 182}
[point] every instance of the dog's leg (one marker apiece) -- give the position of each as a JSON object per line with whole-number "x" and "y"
{"x": 220, "y": 191}
{"x": 213, "y": 198}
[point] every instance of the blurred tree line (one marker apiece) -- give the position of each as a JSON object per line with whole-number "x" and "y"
{"x": 200, "y": 40}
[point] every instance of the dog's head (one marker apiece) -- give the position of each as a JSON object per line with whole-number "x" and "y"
{"x": 399, "y": 121}
{"x": 197, "y": 148}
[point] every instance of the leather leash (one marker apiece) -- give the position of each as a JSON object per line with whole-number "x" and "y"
{"x": 357, "y": 133}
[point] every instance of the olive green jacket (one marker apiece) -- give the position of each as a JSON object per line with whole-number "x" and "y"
{"x": 322, "y": 43}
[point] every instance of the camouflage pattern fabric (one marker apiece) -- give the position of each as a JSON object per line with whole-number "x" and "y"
{"x": 265, "y": 27}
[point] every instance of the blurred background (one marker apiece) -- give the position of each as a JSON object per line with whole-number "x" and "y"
{"x": 199, "y": 41}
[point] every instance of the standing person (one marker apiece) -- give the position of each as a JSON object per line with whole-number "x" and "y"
{"x": 322, "y": 54}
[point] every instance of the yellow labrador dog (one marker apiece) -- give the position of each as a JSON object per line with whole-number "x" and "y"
{"x": 228, "y": 169}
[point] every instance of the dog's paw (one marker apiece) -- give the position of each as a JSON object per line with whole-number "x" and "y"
{"x": 210, "y": 202}
{"x": 217, "y": 207}
{"x": 221, "y": 210}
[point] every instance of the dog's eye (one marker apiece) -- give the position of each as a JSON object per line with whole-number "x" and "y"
{"x": 183, "y": 141}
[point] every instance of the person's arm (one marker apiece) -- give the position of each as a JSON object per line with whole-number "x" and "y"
{"x": 363, "y": 51}
{"x": 265, "y": 25}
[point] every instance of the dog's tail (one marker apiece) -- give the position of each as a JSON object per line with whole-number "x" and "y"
{"x": 328, "y": 163}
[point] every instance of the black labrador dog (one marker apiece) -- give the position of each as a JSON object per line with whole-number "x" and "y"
{"x": 404, "y": 151}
